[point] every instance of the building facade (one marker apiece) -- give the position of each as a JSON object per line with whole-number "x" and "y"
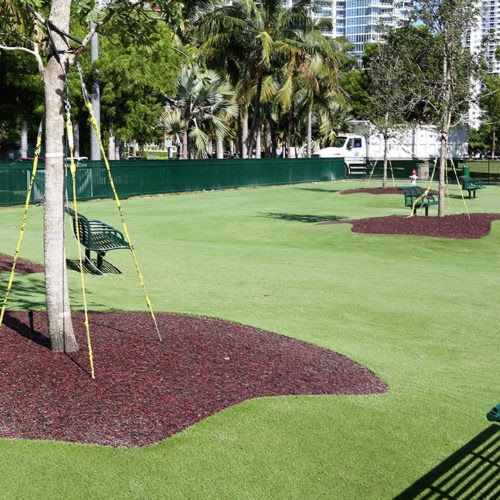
{"x": 359, "y": 21}
{"x": 486, "y": 34}
{"x": 484, "y": 38}
{"x": 365, "y": 21}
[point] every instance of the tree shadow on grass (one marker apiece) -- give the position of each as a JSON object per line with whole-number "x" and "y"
{"x": 308, "y": 219}
{"x": 470, "y": 472}
{"x": 320, "y": 190}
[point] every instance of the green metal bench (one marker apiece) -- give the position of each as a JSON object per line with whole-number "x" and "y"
{"x": 470, "y": 185}
{"x": 97, "y": 236}
{"x": 415, "y": 199}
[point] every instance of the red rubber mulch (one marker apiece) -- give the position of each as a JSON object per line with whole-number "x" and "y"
{"x": 22, "y": 266}
{"x": 458, "y": 227}
{"x": 146, "y": 390}
{"x": 379, "y": 190}
{"x": 389, "y": 190}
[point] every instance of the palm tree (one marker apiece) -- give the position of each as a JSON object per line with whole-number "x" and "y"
{"x": 200, "y": 111}
{"x": 308, "y": 78}
{"x": 267, "y": 50}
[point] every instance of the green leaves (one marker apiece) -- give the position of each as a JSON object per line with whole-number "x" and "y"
{"x": 202, "y": 107}
{"x": 134, "y": 81}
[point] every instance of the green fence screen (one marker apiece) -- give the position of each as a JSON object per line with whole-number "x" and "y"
{"x": 146, "y": 177}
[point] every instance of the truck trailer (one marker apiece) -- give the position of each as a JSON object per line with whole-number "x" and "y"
{"x": 418, "y": 143}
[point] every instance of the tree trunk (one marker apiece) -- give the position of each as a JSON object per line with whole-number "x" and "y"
{"x": 258, "y": 143}
{"x": 493, "y": 142}
{"x": 185, "y": 145}
{"x": 289, "y": 137}
{"x": 309, "y": 131}
{"x": 220, "y": 147}
{"x": 384, "y": 175}
{"x": 117, "y": 148}
{"x": 111, "y": 146}
{"x": 24, "y": 139}
{"x": 244, "y": 135}
{"x": 442, "y": 172}
{"x": 268, "y": 139}
{"x": 56, "y": 285}
{"x": 386, "y": 149}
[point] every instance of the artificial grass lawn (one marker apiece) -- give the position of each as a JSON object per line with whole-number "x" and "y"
{"x": 420, "y": 312}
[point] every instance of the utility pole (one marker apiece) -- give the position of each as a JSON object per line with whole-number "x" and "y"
{"x": 95, "y": 153}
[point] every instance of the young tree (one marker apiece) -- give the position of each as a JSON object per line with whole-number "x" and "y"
{"x": 392, "y": 92}
{"x": 387, "y": 94}
{"x": 490, "y": 103}
{"x": 449, "y": 95}
{"x": 42, "y": 28}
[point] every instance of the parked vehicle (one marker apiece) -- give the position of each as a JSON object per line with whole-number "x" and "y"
{"x": 421, "y": 142}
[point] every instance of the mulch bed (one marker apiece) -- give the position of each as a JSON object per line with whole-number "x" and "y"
{"x": 22, "y": 266}
{"x": 389, "y": 190}
{"x": 460, "y": 226}
{"x": 379, "y": 190}
{"x": 146, "y": 390}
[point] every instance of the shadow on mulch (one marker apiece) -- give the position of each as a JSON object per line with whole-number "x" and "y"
{"x": 146, "y": 390}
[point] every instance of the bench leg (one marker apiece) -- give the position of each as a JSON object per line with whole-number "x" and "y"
{"x": 426, "y": 210}
{"x": 100, "y": 256}
{"x": 87, "y": 254}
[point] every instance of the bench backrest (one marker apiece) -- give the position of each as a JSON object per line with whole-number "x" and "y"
{"x": 469, "y": 183}
{"x": 83, "y": 226}
{"x": 411, "y": 194}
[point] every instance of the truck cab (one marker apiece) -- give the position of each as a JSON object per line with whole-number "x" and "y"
{"x": 348, "y": 146}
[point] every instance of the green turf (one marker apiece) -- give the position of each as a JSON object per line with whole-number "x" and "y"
{"x": 420, "y": 312}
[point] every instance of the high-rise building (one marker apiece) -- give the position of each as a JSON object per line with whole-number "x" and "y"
{"x": 486, "y": 34}
{"x": 359, "y": 21}
{"x": 484, "y": 37}
{"x": 365, "y": 21}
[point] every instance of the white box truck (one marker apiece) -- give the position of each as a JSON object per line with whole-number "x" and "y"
{"x": 418, "y": 143}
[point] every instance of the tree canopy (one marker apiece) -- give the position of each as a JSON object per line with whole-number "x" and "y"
{"x": 134, "y": 81}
